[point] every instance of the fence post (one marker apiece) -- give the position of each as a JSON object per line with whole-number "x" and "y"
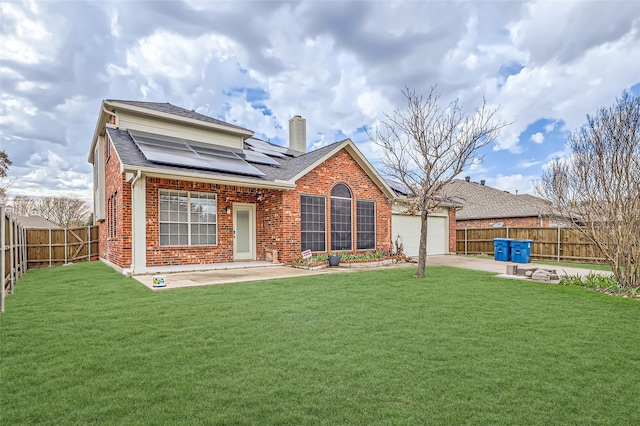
{"x": 66, "y": 248}
{"x": 559, "y": 244}
{"x": 3, "y": 220}
{"x": 507, "y": 232}
{"x": 25, "y": 260}
{"x": 49, "y": 247}
{"x": 12, "y": 271}
{"x": 465, "y": 240}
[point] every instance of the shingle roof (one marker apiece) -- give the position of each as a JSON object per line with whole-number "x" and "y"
{"x": 36, "y": 222}
{"x": 484, "y": 202}
{"x": 176, "y": 110}
{"x": 130, "y": 155}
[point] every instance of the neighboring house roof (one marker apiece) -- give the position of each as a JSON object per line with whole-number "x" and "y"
{"x": 35, "y": 222}
{"x": 402, "y": 191}
{"x": 483, "y": 202}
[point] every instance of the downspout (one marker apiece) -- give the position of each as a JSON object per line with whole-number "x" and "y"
{"x": 133, "y": 240}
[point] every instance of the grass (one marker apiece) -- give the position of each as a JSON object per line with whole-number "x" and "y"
{"x": 83, "y": 344}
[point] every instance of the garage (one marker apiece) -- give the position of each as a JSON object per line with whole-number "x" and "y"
{"x": 408, "y": 227}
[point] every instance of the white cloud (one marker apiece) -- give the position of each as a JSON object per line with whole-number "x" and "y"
{"x": 340, "y": 64}
{"x": 537, "y": 138}
{"x": 30, "y": 42}
{"x": 515, "y": 184}
{"x": 525, "y": 164}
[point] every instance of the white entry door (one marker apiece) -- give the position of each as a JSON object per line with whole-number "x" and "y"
{"x": 244, "y": 231}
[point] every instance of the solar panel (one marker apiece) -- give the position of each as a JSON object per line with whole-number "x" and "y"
{"x": 265, "y": 148}
{"x": 169, "y": 150}
{"x": 229, "y": 164}
{"x": 258, "y": 158}
{"x": 172, "y": 156}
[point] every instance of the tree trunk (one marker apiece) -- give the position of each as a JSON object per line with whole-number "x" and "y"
{"x": 422, "y": 250}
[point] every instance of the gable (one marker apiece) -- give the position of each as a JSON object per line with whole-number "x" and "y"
{"x": 356, "y": 162}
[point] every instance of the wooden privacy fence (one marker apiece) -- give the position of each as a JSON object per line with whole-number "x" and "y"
{"x": 13, "y": 253}
{"x": 557, "y": 244}
{"x": 51, "y": 247}
{"x": 37, "y": 248}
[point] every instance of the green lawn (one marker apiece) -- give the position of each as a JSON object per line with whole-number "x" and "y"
{"x": 83, "y": 344}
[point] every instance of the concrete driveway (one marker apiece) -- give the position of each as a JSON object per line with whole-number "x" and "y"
{"x": 258, "y": 271}
{"x": 498, "y": 267}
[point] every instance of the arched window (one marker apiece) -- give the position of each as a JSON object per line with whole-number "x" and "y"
{"x": 341, "y": 217}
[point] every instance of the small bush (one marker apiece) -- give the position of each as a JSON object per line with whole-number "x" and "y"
{"x": 599, "y": 282}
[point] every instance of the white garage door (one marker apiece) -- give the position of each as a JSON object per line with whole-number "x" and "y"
{"x": 409, "y": 228}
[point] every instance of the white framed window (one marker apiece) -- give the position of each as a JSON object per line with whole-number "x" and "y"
{"x": 188, "y": 218}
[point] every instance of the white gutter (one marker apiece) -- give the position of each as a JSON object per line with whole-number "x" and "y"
{"x": 236, "y": 181}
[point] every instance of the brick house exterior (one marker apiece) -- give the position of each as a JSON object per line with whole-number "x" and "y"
{"x": 130, "y": 191}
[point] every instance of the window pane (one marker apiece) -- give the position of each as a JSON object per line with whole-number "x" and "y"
{"x": 340, "y": 224}
{"x": 366, "y": 213}
{"x": 341, "y": 190}
{"x": 312, "y": 213}
{"x": 187, "y": 218}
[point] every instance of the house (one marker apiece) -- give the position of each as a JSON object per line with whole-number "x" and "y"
{"x": 407, "y": 224}
{"x": 173, "y": 187}
{"x": 486, "y": 207}
{"x": 35, "y": 221}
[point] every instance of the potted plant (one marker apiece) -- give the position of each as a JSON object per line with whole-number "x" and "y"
{"x": 334, "y": 259}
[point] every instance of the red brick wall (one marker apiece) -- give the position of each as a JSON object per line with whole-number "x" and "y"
{"x": 452, "y": 231}
{"x": 340, "y": 168}
{"x": 226, "y": 195}
{"x": 277, "y": 215}
{"x": 532, "y": 221}
{"x": 116, "y": 250}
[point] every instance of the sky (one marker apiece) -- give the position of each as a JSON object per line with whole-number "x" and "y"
{"x": 339, "y": 64}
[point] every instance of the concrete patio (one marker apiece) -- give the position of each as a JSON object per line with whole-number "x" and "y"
{"x": 227, "y": 273}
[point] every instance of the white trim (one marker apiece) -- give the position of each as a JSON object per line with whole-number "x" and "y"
{"x": 178, "y": 118}
{"x": 251, "y": 208}
{"x": 139, "y": 224}
{"x": 197, "y": 177}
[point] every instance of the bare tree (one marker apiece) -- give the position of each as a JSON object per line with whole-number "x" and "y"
{"x": 22, "y": 205}
{"x": 427, "y": 145}
{"x": 597, "y": 188}
{"x": 4, "y": 166}
{"x": 66, "y": 212}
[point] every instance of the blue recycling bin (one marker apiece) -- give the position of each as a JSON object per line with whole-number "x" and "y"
{"x": 521, "y": 251}
{"x": 502, "y": 249}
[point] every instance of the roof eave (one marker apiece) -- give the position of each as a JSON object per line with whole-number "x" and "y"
{"x": 100, "y": 125}
{"x": 172, "y": 117}
{"x": 199, "y": 177}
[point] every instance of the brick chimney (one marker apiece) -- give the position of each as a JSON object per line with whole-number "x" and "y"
{"x": 298, "y": 134}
